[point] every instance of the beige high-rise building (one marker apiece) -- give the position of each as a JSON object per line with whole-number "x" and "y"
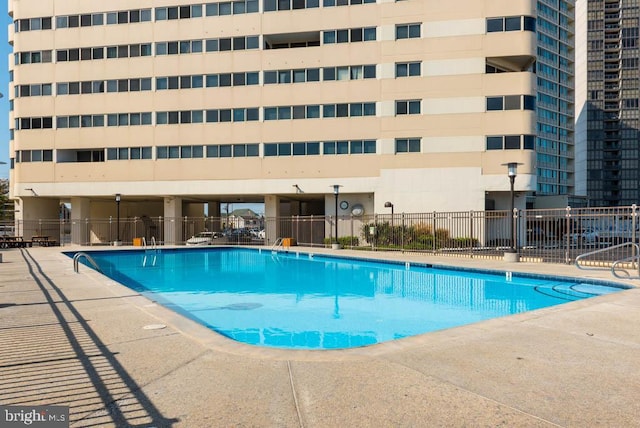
{"x": 174, "y": 104}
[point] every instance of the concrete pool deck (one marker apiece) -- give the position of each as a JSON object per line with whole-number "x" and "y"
{"x": 84, "y": 341}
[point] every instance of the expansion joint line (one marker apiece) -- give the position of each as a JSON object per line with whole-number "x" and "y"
{"x": 295, "y": 395}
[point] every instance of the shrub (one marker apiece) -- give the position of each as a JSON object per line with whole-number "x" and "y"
{"x": 344, "y": 241}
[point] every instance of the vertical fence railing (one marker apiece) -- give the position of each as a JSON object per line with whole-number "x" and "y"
{"x": 551, "y": 235}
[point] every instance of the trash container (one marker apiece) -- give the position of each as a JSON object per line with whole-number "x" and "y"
{"x": 288, "y": 242}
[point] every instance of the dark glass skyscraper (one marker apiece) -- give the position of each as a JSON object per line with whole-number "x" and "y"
{"x": 611, "y": 102}
{"x": 555, "y": 74}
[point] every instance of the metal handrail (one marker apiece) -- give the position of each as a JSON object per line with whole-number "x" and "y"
{"x": 636, "y": 256}
{"x": 628, "y": 275}
{"x": 76, "y": 258}
{"x": 276, "y": 244}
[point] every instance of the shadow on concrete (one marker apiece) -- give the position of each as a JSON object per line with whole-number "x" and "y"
{"x": 55, "y": 358}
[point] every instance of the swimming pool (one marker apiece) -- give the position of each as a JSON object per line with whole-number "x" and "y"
{"x": 307, "y": 301}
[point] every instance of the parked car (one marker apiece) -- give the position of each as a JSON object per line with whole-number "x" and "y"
{"x": 203, "y": 238}
{"x": 585, "y": 236}
{"x": 261, "y": 234}
{"x": 238, "y": 235}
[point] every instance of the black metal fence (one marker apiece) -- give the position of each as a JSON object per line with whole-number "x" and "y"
{"x": 551, "y": 236}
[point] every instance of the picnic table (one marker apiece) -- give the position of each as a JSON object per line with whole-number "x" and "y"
{"x": 43, "y": 241}
{"x": 13, "y": 242}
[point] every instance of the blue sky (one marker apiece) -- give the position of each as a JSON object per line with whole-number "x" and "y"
{"x": 5, "y": 50}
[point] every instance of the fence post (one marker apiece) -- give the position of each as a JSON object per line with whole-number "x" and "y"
{"x": 87, "y": 236}
{"x": 351, "y": 227}
{"x": 516, "y": 232}
{"x": 402, "y": 235}
{"x": 374, "y": 240}
{"x": 434, "y": 232}
{"x": 471, "y": 232}
{"x": 634, "y": 214}
{"x": 567, "y": 243}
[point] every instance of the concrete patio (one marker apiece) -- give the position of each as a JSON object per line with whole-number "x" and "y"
{"x": 84, "y": 341}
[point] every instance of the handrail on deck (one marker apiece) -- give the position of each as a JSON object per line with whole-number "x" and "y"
{"x": 635, "y": 257}
{"x": 76, "y": 258}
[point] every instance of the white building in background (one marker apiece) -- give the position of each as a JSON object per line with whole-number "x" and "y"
{"x": 174, "y": 104}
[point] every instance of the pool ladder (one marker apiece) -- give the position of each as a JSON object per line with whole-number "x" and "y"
{"x": 633, "y": 260}
{"x": 153, "y": 250}
{"x": 277, "y": 244}
{"x": 76, "y": 261}
{"x": 154, "y": 246}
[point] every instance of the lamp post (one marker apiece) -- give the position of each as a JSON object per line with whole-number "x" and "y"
{"x": 390, "y": 205}
{"x": 336, "y": 192}
{"x": 512, "y": 172}
{"x": 118, "y": 197}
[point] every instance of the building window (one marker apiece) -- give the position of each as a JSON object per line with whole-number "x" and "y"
{"x": 511, "y": 102}
{"x": 349, "y": 147}
{"x": 34, "y": 57}
{"x": 119, "y": 17}
{"x": 407, "y": 31}
{"x": 353, "y": 72}
{"x": 510, "y": 142}
{"x": 349, "y": 35}
{"x": 32, "y": 24}
{"x": 24, "y": 156}
{"x": 310, "y": 148}
{"x": 179, "y": 152}
{"x": 232, "y": 150}
{"x": 406, "y": 69}
{"x": 300, "y": 75}
{"x": 228, "y": 79}
{"x": 331, "y": 3}
{"x": 511, "y": 23}
{"x": 33, "y": 123}
{"x": 34, "y": 90}
{"x": 408, "y": 145}
{"x": 275, "y": 5}
{"x": 227, "y": 44}
{"x": 404, "y": 107}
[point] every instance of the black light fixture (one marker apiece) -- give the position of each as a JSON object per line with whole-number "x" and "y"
{"x": 118, "y": 197}
{"x": 390, "y": 205}
{"x": 512, "y": 172}
{"x": 336, "y": 192}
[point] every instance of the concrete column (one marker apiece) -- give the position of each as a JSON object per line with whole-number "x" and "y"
{"x": 80, "y": 215}
{"x": 214, "y": 223}
{"x": 272, "y": 218}
{"x": 173, "y": 220}
{"x": 214, "y": 208}
{"x": 38, "y": 216}
{"x": 194, "y": 209}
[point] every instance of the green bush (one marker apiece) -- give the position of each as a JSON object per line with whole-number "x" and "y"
{"x": 414, "y": 237}
{"x": 344, "y": 241}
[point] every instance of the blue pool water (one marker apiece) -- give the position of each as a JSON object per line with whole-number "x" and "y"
{"x": 297, "y": 300}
